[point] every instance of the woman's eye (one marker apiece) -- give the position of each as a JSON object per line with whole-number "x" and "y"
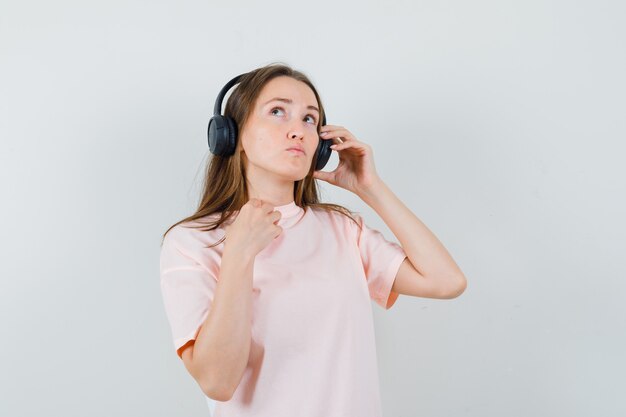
{"x": 312, "y": 118}
{"x": 275, "y": 108}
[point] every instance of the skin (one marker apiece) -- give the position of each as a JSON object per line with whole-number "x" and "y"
{"x": 270, "y": 169}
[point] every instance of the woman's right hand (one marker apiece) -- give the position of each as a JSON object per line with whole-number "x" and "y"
{"x": 254, "y": 227}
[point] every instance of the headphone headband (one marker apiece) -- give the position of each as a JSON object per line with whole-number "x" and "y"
{"x": 217, "y": 110}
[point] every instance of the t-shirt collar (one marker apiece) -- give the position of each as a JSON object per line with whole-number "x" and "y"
{"x": 288, "y": 210}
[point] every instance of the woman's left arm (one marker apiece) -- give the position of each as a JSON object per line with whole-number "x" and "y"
{"x": 430, "y": 270}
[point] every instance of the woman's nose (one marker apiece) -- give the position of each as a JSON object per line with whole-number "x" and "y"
{"x": 293, "y": 134}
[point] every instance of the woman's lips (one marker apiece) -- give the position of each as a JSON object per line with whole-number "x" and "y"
{"x": 296, "y": 151}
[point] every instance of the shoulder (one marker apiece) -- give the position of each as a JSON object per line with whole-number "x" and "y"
{"x": 194, "y": 234}
{"x": 189, "y": 245}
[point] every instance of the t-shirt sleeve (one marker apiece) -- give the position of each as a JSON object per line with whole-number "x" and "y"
{"x": 188, "y": 282}
{"x": 381, "y": 261}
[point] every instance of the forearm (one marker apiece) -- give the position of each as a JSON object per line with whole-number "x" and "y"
{"x": 424, "y": 250}
{"x": 223, "y": 344}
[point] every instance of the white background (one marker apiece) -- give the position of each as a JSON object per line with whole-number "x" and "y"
{"x": 500, "y": 124}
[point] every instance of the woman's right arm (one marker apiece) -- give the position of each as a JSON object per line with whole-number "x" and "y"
{"x": 218, "y": 357}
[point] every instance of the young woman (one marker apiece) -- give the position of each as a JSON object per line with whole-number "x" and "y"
{"x": 267, "y": 290}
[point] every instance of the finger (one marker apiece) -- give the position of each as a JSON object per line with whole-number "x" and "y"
{"x": 344, "y": 145}
{"x": 322, "y": 175}
{"x": 339, "y": 132}
{"x": 335, "y": 139}
{"x": 332, "y": 132}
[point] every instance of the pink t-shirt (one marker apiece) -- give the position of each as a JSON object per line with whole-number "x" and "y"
{"x": 313, "y": 351}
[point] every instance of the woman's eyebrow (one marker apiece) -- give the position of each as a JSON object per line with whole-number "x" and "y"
{"x": 288, "y": 100}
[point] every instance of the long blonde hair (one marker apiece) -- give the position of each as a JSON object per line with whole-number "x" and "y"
{"x": 224, "y": 186}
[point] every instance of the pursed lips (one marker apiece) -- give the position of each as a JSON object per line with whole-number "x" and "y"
{"x": 299, "y": 150}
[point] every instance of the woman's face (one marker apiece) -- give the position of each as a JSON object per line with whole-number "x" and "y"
{"x": 276, "y": 125}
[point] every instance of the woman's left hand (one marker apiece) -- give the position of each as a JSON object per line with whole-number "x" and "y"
{"x": 356, "y": 171}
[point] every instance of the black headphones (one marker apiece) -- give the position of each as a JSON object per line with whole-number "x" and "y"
{"x": 222, "y": 132}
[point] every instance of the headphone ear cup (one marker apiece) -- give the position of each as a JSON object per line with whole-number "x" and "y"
{"x": 222, "y": 135}
{"x": 232, "y": 136}
{"x": 323, "y": 153}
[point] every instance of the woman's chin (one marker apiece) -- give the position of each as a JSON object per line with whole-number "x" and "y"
{"x": 294, "y": 175}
